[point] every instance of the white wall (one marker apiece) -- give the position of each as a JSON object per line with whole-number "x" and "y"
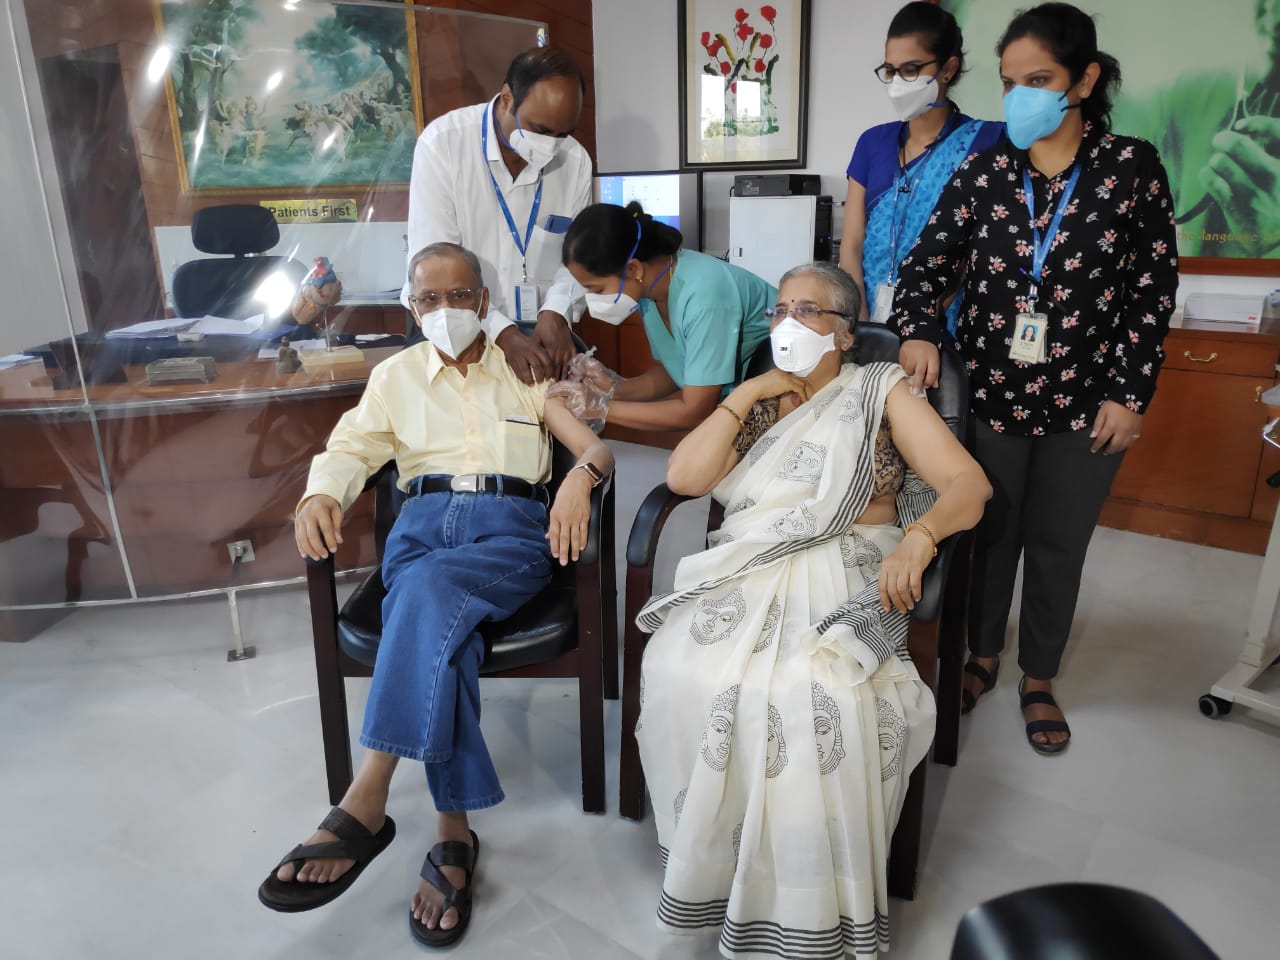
{"x": 637, "y": 112}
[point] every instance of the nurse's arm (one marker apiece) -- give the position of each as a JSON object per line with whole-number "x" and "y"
{"x": 654, "y": 384}
{"x": 680, "y": 411}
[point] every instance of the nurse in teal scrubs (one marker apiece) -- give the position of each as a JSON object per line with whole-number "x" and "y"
{"x": 703, "y": 317}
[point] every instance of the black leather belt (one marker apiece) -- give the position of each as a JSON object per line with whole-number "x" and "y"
{"x": 498, "y": 483}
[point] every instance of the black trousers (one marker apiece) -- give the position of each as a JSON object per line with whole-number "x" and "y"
{"x": 1048, "y": 492}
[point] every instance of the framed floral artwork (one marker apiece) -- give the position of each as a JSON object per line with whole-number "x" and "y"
{"x": 744, "y": 84}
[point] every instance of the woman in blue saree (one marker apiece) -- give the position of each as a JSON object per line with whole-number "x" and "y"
{"x": 898, "y": 169}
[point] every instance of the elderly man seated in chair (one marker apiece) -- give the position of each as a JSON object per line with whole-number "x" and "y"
{"x": 473, "y": 543}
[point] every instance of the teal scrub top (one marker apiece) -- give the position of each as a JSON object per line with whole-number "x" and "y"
{"x": 717, "y": 321}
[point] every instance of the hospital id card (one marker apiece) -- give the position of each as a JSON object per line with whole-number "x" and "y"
{"x": 1029, "y": 332}
{"x": 528, "y": 301}
{"x": 884, "y": 302}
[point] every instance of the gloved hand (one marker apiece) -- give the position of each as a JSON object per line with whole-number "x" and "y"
{"x": 584, "y": 401}
{"x": 585, "y": 368}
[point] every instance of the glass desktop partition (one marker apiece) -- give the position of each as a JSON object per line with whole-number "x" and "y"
{"x": 191, "y": 182}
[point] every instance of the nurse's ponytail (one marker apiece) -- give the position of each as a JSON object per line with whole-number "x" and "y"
{"x": 1068, "y": 33}
{"x": 604, "y": 236}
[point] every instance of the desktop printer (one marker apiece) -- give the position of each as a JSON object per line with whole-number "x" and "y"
{"x": 777, "y": 185}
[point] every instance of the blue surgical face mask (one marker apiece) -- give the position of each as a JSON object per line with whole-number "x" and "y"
{"x": 1033, "y": 113}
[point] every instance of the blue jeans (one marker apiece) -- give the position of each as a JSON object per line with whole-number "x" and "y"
{"x": 452, "y": 561}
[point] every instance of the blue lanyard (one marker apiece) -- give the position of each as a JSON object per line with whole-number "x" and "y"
{"x": 900, "y": 187}
{"x": 502, "y": 201}
{"x": 1042, "y": 245}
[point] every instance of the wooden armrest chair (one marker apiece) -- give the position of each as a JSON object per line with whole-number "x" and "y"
{"x": 936, "y": 638}
{"x": 568, "y": 630}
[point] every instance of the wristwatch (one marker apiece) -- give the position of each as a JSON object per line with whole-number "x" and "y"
{"x": 592, "y": 471}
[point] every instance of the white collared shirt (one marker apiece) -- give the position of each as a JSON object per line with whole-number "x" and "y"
{"x": 451, "y": 197}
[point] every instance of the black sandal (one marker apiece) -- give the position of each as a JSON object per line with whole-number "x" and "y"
{"x": 1043, "y": 726}
{"x": 988, "y": 678}
{"x": 450, "y": 853}
{"x": 355, "y": 842}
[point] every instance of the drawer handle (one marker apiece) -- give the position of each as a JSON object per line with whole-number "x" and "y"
{"x": 1209, "y": 359}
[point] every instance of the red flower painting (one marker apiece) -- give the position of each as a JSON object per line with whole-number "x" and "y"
{"x": 753, "y": 57}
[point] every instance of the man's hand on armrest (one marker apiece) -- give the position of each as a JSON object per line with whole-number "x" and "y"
{"x": 317, "y": 528}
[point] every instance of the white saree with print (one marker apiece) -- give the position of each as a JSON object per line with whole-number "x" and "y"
{"x": 781, "y": 716}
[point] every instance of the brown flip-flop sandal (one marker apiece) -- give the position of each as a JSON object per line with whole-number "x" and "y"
{"x": 355, "y": 842}
{"x": 449, "y": 853}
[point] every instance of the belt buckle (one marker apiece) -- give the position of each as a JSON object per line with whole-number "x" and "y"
{"x": 465, "y": 483}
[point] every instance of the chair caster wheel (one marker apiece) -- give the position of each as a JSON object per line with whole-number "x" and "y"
{"x": 1214, "y": 707}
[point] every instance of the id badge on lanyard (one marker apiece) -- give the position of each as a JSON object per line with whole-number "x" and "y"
{"x": 1031, "y": 327}
{"x": 528, "y": 302}
{"x": 884, "y": 302}
{"x": 1029, "y": 333}
{"x": 527, "y": 295}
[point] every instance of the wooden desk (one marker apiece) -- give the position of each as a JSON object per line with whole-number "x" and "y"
{"x": 1199, "y": 472}
{"x": 186, "y": 468}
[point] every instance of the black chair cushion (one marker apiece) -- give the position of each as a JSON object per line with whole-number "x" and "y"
{"x": 543, "y": 629}
{"x": 234, "y": 228}
{"x": 226, "y": 287}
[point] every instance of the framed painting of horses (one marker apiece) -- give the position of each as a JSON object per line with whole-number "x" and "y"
{"x": 289, "y": 96}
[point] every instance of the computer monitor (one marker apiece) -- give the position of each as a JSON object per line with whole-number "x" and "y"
{"x": 674, "y": 197}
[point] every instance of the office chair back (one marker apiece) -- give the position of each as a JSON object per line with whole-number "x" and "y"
{"x": 239, "y": 233}
{"x": 1076, "y": 921}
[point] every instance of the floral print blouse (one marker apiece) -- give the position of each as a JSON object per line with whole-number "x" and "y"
{"x": 1108, "y": 284}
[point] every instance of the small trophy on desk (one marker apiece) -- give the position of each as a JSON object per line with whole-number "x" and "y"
{"x": 287, "y": 359}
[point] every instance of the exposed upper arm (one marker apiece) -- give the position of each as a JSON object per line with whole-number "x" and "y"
{"x": 924, "y": 440}
{"x": 567, "y": 428}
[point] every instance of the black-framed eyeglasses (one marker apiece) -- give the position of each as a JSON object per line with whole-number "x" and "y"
{"x": 908, "y": 71}
{"x": 431, "y": 300}
{"x": 804, "y": 312}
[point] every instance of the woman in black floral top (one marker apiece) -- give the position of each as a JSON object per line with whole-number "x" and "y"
{"x": 1061, "y": 371}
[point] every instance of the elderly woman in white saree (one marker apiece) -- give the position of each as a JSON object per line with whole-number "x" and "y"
{"x": 781, "y": 716}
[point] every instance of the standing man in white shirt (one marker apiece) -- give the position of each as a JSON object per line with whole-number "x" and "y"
{"x": 504, "y": 179}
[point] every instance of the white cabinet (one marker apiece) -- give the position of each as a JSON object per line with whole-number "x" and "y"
{"x": 770, "y": 235}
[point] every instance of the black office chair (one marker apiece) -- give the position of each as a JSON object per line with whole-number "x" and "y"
{"x": 239, "y": 233}
{"x": 570, "y": 629}
{"x": 936, "y": 637}
{"x": 1076, "y": 921}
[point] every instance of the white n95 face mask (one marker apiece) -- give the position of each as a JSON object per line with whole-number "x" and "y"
{"x": 797, "y": 349}
{"x": 451, "y": 329}
{"x": 613, "y": 309}
{"x": 535, "y": 149}
{"x": 912, "y": 98}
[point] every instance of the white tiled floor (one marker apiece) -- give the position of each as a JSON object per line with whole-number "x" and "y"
{"x": 148, "y": 785}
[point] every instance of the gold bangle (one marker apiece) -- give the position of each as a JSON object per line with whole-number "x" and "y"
{"x": 733, "y": 413}
{"x": 927, "y": 532}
